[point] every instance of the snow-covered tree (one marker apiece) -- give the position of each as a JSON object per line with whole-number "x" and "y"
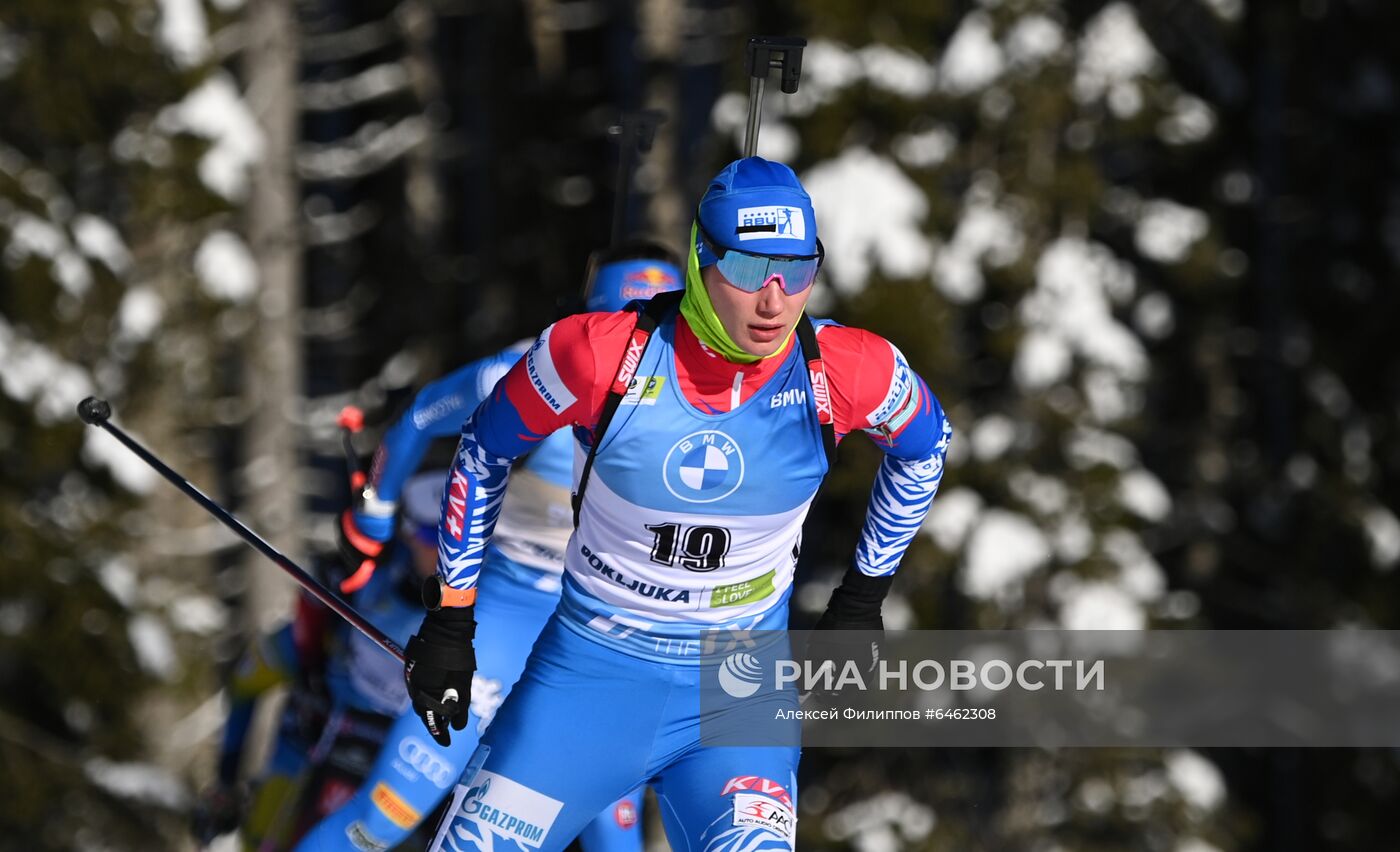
{"x": 122, "y": 160}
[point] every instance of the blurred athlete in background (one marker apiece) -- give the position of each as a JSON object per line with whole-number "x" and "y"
{"x": 345, "y": 694}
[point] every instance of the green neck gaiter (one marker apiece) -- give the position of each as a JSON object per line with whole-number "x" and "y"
{"x": 700, "y": 313}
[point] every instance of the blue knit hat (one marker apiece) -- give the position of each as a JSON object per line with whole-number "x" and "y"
{"x": 621, "y": 281}
{"x": 757, "y": 206}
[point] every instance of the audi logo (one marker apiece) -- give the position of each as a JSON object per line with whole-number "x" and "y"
{"x": 426, "y": 762}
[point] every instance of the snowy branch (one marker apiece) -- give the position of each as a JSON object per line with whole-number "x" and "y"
{"x": 370, "y": 149}
{"x": 331, "y": 228}
{"x": 348, "y": 44}
{"x": 33, "y": 373}
{"x": 371, "y": 84}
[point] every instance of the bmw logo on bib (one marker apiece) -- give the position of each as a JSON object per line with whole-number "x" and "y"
{"x": 704, "y": 467}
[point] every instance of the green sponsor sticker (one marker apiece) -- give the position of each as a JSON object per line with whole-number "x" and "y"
{"x": 742, "y": 593}
{"x": 644, "y": 390}
{"x": 653, "y": 387}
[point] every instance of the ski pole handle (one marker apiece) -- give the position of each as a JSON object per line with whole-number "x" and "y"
{"x": 352, "y": 420}
{"x": 96, "y": 412}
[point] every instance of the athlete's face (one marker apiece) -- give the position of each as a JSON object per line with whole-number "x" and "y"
{"x": 757, "y": 322}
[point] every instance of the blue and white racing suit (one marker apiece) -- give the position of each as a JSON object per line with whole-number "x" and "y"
{"x": 691, "y": 523}
{"x": 519, "y": 589}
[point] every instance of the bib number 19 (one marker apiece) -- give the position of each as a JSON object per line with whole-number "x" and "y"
{"x": 700, "y": 548}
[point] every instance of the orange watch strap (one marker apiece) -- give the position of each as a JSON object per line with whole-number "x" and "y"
{"x": 458, "y": 597}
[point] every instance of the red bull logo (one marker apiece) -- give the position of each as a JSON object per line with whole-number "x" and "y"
{"x": 647, "y": 282}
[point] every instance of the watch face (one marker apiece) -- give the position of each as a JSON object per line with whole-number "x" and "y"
{"x": 432, "y": 593}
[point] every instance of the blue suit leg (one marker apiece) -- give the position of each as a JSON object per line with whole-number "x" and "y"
{"x": 574, "y": 735}
{"x": 730, "y": 799}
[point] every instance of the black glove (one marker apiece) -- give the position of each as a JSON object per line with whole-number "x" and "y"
{"x": 438, "y": 666}
{"x": 218, "y": 811}
{"x": 854, "y": 606}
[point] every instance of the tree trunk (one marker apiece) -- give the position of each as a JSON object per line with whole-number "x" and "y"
{"x": 661, "y": 43}
{"x": 273, "y": 385}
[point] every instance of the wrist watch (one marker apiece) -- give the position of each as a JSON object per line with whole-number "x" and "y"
{"x": 437, "y": 595}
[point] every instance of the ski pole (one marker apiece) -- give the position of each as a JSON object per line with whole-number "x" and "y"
{"x": 764, "y": 54}
{"x": 637, "y": 132}
{"x": 96, "y": 412}
{"x": 351, "y": 420}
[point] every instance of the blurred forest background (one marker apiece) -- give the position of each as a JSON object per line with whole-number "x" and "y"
{"x": 1145, "y": 253}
